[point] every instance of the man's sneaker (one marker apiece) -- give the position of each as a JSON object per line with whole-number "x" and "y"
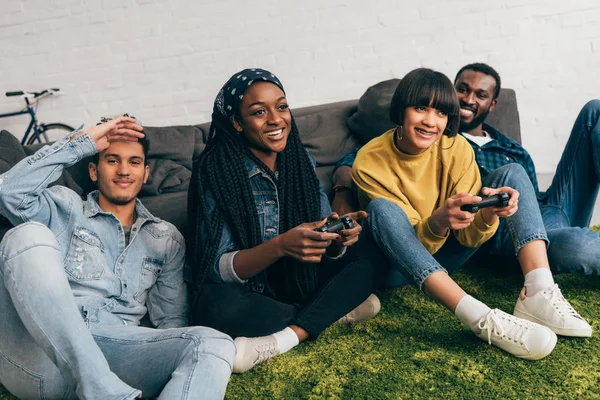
{"x": 549, "y": 308}
{"x": 252, "y": 351}
{"x": 517, "y": 336}
{"x": 365, "y": 310}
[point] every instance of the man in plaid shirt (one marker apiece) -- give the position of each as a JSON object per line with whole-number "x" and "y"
{"x": 566, "y": 207}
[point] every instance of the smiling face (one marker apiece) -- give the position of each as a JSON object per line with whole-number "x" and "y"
{"x": 264, "y": 121}
{"x": 421, "y": 128}
{"x": 120, "y": 173}
{"x": 476, "y": 98}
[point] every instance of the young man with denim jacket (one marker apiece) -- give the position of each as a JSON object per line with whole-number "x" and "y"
{"x": 78, "y": 276}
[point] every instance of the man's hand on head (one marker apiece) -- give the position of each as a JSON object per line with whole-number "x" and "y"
{"x": 119, "y": 128}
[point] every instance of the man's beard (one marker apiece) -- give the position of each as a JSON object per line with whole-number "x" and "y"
{"x": 118, "y": 200}
{"x": 467, "y": 127}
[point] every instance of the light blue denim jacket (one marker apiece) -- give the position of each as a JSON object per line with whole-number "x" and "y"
{"x": 112, "y": 283}
{"x": 267, "y": 207}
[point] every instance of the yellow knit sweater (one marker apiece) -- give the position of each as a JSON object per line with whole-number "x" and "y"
{"x": 421, "y": 183}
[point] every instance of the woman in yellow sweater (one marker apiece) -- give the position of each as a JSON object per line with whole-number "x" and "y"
{"x": 413, "y": 181}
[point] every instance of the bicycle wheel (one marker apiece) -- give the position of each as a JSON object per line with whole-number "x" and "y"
{"x": 56, "y": 129}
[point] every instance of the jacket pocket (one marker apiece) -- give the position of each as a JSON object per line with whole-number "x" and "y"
{"x": 85, "y": 258}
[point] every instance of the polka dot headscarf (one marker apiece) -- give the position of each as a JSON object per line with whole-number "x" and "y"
{"x": 231, "y": 94}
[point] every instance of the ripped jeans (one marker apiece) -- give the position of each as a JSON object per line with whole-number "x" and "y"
{"x": 47, "y": 350}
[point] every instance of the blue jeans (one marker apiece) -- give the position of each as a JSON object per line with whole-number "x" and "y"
{"x": 569, "y": 203}
{"x": 48, "y": 351}
{"x": 389, "y": 227}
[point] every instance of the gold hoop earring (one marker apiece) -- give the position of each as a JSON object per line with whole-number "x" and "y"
{"x": 398, "y": 133}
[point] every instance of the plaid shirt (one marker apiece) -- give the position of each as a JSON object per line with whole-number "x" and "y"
{"x": 500, "y": 151}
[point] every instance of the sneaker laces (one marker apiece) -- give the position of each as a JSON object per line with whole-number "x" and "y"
{"x": 265, "y": 351}
{"x": 559, "y": 303}
{"x": 504, "y": 325}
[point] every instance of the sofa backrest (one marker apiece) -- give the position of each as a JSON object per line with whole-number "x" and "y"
{"x": 505, "y": 116}
{"x": 323, "y": 129}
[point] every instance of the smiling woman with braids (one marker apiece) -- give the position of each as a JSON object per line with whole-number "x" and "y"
{"x": 260, "y": 271}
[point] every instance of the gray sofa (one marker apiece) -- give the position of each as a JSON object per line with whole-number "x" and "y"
{"x": 324, "y": 129}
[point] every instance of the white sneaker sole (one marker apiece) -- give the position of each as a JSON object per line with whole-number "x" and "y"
{"x": 555, "y": 329}
{"x": 535, "y": 356}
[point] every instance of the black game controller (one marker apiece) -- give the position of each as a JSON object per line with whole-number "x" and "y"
{"x": 335, "y": 225}
{"x": 496, "y": 200}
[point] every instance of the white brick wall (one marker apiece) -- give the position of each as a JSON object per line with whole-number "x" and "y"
{"x": 163, "y": 61}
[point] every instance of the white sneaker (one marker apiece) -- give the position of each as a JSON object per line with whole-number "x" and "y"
{"x": 365, "y": 310}
{"x": 549, "y": 308}
{"x": 252, "y": 351}
{"x": 516, "y": 336}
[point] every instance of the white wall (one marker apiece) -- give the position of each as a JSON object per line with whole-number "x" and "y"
{"x": 164, "y": 61}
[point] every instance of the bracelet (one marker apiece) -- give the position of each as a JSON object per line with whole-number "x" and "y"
{"x": 337, "y": 188}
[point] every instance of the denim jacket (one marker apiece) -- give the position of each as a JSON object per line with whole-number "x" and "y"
{"x": 113, "y": 283}
{"x": 267, "y": 207}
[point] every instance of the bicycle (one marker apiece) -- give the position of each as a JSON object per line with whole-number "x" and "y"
{"x": 39, "y": 129}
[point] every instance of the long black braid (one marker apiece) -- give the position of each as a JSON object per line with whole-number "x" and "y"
{"x": 221, "y": 170}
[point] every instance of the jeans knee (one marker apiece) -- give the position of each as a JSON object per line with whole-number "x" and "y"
{"x": 383, "y": 212}
{"x": 210, "y": 342}
{"x": 512, "y": 175}
{"x": 29, "y": 234}
{"x": 514, "y": 170}
{"x": 25, "y": 236}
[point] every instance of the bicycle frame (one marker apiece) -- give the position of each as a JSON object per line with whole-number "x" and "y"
{"x": 33, "y": 124}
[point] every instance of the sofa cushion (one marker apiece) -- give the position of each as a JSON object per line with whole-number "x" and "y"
{"x": 201, "y": 139}
{"x": 325, "y": 135}
{"x": 505, "y": 116}
{"x": 372, "y": 116}
{"x": 12, "y": 151}
{"x": 175, "y": 143}
{"x": 166, "y": 176}
{"x": 170, "y": 158}
{"x": 171, "y": 207}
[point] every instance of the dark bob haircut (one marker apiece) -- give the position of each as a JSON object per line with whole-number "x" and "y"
{"x": 424, "y": 87}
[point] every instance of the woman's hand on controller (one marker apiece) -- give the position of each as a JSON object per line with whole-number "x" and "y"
{"x": 304, "y": 244}
{"x": 490, "y": 213}
{"x": 348, "y": 237}
{"x": 450, "y": 216}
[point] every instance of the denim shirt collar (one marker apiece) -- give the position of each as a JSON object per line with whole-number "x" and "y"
{"x": 91, "y": 208}
{"x": 254, "y": 169}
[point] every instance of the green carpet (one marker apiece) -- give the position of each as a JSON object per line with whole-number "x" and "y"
{"x": 416, "y": 349}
